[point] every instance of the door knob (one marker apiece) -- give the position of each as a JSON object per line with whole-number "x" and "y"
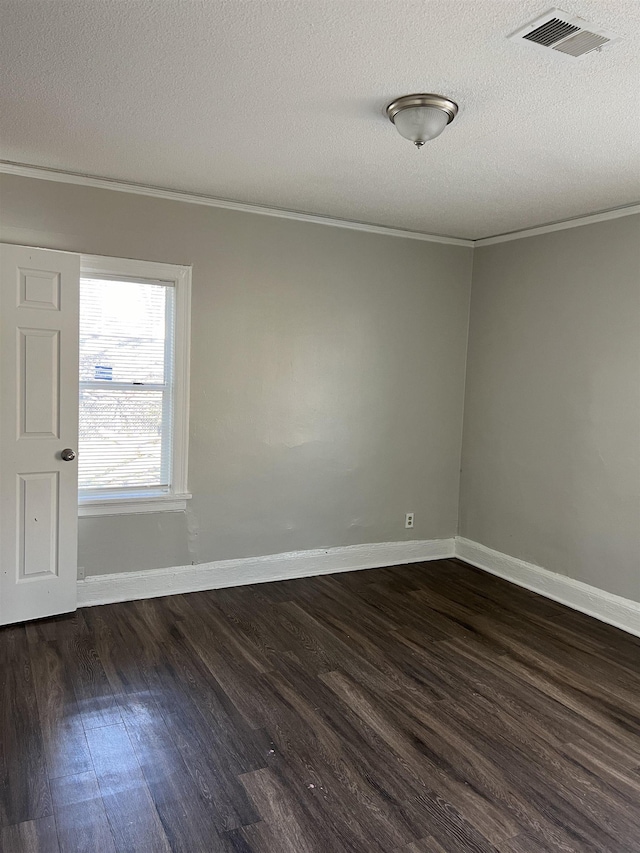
{"x": 68, "y": 455}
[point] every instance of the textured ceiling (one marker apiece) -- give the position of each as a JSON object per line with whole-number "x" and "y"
{"x": 281, "y": 103}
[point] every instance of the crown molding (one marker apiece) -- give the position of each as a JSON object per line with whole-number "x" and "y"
{"x": 26, "y": 171}
{"x": 561, "y": 225}
{"x": 43, "y": 173}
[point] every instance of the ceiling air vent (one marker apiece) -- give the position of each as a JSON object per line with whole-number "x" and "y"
{"x": 566, "y": 34}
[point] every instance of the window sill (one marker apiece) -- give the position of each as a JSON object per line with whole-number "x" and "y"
{"x": 133, "y": 506}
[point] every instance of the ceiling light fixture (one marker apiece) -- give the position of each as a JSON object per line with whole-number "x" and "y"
{"x": 420, "y": 118}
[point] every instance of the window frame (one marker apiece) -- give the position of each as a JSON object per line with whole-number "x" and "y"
{"x": 180, "y": 278}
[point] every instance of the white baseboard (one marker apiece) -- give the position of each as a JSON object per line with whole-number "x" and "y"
{"x": 128, "y": 586}
{"x": 621, "y": 612}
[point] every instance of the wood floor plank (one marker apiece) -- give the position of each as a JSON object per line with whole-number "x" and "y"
{"x": 239, "y": 682}
{"x": 80, "y": 815}
{"x": 289, "y": 818}
{"x": 605, "y": 762}
{"x": 528, "y": 843}
{"x": 252, "y": 617}
{"x": 510, "y": 633}
{"x": 24, "y": 788}
{"x": 620, "y": 721}
{"x": 546, "y": 618}
{"x": 425, "y": 845}
{"x": 130, "y": 809}
{"x": 428, "y": 623}
{"x": 65, "y": 743}
{"x": 562, "y": 791}
{"x": 428, "y": 708}
{"x": 356, "y": 758}
{"x": 324, "y": 650}
{"x": 213, "y": 740}
{"x": 215, "y": 691}
{"x": 34, "y": 836}
{"x": 96, "y": 702}
{"x": 324, "y": 765}
{"x": 475, "y": 806}
{"x": 119, "y": 650}
{"x": 189, "y": 821}
{"x": 555, "y": 812}
{"x": 257, "y": 838}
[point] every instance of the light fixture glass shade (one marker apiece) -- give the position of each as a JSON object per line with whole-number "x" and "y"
{"x": 421, "y": 117}
{"x": 420, "y": 124}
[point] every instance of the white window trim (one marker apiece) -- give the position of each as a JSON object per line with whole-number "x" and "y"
{"x": 180, "y": 276}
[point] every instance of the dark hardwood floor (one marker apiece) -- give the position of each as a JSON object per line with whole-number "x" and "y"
{"x": 404, "y": 710}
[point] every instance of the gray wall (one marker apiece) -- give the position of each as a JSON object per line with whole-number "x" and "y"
{"x": 327, "y": 375}
{"x": 551, "y": 454}
{"x": 327, "y": 379}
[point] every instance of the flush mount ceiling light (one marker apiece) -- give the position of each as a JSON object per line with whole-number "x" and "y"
{"x": 420, "y": 118}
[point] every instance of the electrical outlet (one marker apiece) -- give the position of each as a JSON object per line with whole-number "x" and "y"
{"x": 408, "y": 520}
{"x": 80, "y": 573}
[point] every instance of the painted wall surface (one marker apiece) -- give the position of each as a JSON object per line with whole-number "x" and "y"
{"x": 327, "y": 375}
{"x": 551, "y": 453}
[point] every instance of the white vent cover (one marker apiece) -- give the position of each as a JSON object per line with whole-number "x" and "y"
{"x": 564, "y": 33}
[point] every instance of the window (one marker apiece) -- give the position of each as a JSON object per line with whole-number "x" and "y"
{"x": 133, "y": 411}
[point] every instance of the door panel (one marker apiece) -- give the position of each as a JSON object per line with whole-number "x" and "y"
{"x": 39, "y": 377}
{"x": 39, "y": 289}
{"x": 38, "y": 524}
{"x": 39, "y": 294}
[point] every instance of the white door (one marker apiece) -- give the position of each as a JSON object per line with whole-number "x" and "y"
{"x": 39, "y": 296}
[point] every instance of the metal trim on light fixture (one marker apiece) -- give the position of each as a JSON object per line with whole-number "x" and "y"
{"x": 407, "y": 101}
{"x": 420, "y": 130}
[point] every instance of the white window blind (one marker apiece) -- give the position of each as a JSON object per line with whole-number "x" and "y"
{"x": 126, "y": 387}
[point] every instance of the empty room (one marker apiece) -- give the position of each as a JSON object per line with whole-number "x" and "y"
{"x": 319, "y": 426}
